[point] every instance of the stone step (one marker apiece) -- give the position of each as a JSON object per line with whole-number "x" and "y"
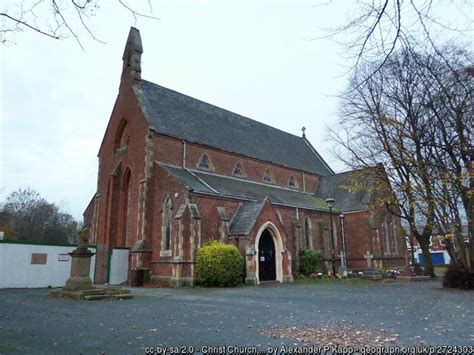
{"x": 98, "y": 297}
{"x": 109, "y": 291}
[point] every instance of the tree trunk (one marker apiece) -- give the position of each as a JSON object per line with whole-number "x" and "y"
{"x": 425, "y": 249}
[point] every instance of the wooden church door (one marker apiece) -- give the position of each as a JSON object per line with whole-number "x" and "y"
{"x": 266, "y": 257}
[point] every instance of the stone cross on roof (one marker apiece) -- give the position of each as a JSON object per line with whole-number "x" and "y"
{"x": 304, "y": 131}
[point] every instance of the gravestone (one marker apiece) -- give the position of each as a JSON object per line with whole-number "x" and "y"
{"x": 343, "y": 271}
{"x": 368, "y": 256}
{"x": 371, "y": 273}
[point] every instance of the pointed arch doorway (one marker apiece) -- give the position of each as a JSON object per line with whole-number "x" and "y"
{"x": 269, "y": 247}
{"x": 266, "y": 257}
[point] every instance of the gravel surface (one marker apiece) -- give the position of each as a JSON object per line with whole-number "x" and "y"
{"x": 262, "y": 316}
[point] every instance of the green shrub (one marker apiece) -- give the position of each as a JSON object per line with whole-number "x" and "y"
{"x": 219, "y": 264}
{"x": 310, "y": 260}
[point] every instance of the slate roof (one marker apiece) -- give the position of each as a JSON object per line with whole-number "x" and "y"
{"x": 171, "y": 113}
{"x": 245, "y": 218}
{"x": 218, "y": 185}
{"x": 337, "y": 186}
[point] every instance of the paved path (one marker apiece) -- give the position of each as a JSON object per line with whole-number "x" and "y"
{"x": 32, "y": 322}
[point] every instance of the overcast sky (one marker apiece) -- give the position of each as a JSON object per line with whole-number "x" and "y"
{"x": 255, "y": 58}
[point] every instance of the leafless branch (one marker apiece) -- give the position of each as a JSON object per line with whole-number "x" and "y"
{"x": 23, "y": 23}
{"x": 56, "y": 19}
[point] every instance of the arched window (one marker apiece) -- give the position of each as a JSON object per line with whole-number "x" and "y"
{"x": 389, "y": 233}
{"x": 292, "y": 182}
{"x": 122, "y": 138}
{"x": 308, "y": 233}
{"x": 166, "y": 229}
{"x": 124, "y": 207}
{"x": 205, "y": 162}
{"x": 238, "y": 169}
{"x": 385, "y": 235}
{"x": 393, "y": 228}
{"x": 267, "y": 176}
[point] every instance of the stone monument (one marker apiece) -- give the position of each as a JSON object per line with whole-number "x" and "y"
{"x": 80, "y": 265}
{"x": 79, "y": 285}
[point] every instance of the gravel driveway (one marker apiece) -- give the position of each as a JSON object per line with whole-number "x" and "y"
{"x": 261, "y": 316}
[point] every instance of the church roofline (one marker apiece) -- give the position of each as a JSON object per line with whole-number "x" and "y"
{"x": 252, "y": 181}
{"x": 177, "y": 172}
{"x": 238, "y": 198}
{"x": 317, "y": 154}
{"x": 296, "y": 170}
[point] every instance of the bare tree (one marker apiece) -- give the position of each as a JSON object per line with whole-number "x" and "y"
{"x": 449, "y": 87}
{"x": 400, "y": 118}
{"x": 57, "y": 19}
{"x": 378, "y": 28}
{"x": 32, "y": 218}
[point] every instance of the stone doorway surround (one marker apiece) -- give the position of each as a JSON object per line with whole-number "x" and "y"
{"x": 277, "y": 240}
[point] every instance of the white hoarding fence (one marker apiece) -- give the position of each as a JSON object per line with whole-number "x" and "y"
{"x": 31, "y": 265}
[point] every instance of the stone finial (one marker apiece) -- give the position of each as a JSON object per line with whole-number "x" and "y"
{"x": 303, "y": 129}
{"x": 132, "y": 55}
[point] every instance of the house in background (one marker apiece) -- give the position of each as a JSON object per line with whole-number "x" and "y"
{"x": 438, "y": 248}
{"x": 175, "y": 172}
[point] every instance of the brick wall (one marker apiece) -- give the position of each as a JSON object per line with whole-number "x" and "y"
{"x": 170, "y": 150}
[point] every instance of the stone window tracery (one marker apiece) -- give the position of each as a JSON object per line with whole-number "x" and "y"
{"x": 292, "y": 182}
{"x": 205, "y": 162}
{"x": 267, "y": 176}
{"x": 166, "y": 229}
{"x": 308, "y": 233}
{"x": 122, "y": 138}
{"x": 238, "y": 170}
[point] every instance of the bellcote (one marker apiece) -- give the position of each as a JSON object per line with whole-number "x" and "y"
{"x": 132, "y": 55}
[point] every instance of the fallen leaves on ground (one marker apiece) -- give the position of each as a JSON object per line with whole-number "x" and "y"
{"x": 346, "y": 334}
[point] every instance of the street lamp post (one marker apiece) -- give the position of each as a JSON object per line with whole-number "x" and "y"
{"x": 330, "y": 201}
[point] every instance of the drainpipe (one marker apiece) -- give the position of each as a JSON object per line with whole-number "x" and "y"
{"x": 184, "y": 154}
{"x": 344, "y": 256}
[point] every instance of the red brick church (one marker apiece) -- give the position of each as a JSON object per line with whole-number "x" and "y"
{"x": 175, "y": 172}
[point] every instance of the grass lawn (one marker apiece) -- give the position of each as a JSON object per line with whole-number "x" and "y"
{"x": 440, "y": 270}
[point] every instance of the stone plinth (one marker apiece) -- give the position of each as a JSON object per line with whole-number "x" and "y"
{"x": 372, "y": 274}
{"x": 94, "y": 294}
{"x": 80, "y": 269}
